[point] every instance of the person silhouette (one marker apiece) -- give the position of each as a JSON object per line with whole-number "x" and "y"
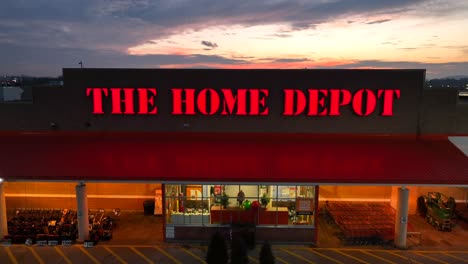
{"x": 240, "y": 197}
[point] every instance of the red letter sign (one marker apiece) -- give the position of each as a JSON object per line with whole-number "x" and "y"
{"x": 117, "y": 101}
{"x": 147, "y": 99}
{"x": 388, "y": 100}
{"x": 338, "y": 97}
{"x": 230, "y": 101}
{"x": 257, "y": 100}
{"x": 178, "y": 101}
{"x": 315, "y": 100}
{"x": 291, "y": 107}
{"x": 214, "y": 101}
{"x": 97, "y": 98}
{"x": 358, "y": 102}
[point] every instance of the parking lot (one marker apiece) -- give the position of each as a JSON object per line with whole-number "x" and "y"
{"x": 175, "y": 253}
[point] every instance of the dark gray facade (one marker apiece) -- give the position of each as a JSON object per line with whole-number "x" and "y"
{"x": 70, "y": 109}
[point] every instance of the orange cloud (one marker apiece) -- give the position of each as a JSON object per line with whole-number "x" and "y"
{"x": 147, "y": 50}
{"x": 265, "y": 65}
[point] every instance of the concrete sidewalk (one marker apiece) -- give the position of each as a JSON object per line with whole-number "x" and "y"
{"x": 135, "y": 228}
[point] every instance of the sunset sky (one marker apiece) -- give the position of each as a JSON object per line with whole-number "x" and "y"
{"x": 40, "y": 37}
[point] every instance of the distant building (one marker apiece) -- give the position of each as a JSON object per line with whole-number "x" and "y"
{"x": 11, "y": 93}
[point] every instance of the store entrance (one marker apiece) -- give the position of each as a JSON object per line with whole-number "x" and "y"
{"x": 120, "y": 213}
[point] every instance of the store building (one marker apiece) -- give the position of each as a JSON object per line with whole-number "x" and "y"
{"x": 197, "y": 138}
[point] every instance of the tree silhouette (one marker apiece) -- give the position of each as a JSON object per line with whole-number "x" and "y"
{"x": 217, "y": 250}
{"x": 239, "y": 251}
{"x": 266, "y": 255}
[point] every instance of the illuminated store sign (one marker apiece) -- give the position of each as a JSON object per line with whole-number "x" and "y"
{"x": 244, "y": 102}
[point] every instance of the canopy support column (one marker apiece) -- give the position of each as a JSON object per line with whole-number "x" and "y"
{"x": 82, "y": 211}
{"x": 401, "y": 219}
{"x": 3, "y": 212}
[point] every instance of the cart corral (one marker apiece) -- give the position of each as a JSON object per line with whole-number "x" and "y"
{"x": 51, "y": 226}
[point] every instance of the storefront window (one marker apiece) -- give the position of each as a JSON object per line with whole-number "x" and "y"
{"x": 187, "y": 204}
{"x": 240, "y": 204}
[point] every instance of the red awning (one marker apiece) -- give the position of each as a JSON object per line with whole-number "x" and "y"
{"x": 357, "y": 160}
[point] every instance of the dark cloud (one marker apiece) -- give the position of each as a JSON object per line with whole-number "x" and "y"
{"x": 291, "y": 60}
{"x": 433, "y": 70}
{"x": 242, "y": 57}
{"x": 122, "y": 23}
{"x": 302, "y": 26}
{"x": 52, "y": 10}
{"x": 380, "y": 21}
{"x": 39, "y": 37}
{"x": 300, "y": 14}
{"x": 281, "y": 35}
{"x": 455, "y": 47}
{"x": 209, "y": 44}
{"x": 44, "y": 61}
{"x": 115, "y": 35}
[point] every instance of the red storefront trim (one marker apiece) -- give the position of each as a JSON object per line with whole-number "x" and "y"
{"x": 365, "y": 159}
